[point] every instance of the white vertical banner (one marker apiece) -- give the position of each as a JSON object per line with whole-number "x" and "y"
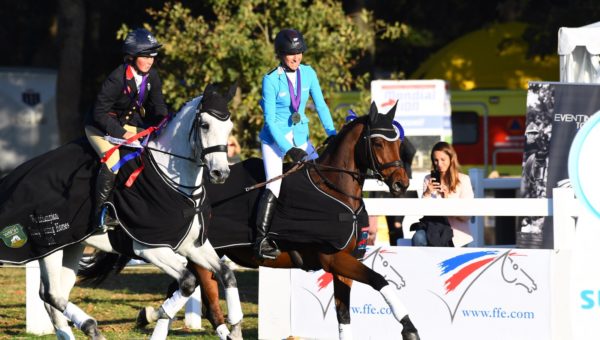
{"x": 585, "y": 276}
{"x": 584, "y": 295}
{"x": 37, "y": 320}
{"x": 273, "y": 303}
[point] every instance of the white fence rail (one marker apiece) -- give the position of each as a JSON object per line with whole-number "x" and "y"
{"x": 563, "y": 208}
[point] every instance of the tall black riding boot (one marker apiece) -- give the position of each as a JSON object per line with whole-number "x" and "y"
{"x": 105, "y": 182}
{"x": 263, "y": 247}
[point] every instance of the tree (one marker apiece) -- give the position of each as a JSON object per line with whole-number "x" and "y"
{"x": 237, "y": 45}
{"x": 71, "y": 30}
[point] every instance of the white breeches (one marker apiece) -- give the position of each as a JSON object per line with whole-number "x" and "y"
{"x": 273, "y": 161}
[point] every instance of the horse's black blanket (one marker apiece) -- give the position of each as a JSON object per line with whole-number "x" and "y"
{"x": 45, "y": 204}
{"x": 152, "y": 212}
{"x": 304, "y": 213}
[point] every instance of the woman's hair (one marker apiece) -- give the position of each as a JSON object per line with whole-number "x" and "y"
{"x": 451, "y": 176}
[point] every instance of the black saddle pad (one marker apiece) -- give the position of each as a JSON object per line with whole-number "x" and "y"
{"x": 46, "y": 204}
{"x": 150, "y": 211}
{"x": 304, "y": 213}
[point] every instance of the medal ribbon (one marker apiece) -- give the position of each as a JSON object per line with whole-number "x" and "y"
{"x": 295, "y": 98}
{"x": 141, "y": 92}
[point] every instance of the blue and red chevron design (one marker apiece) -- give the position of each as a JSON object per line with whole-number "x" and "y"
{"x": 462, "y": 266}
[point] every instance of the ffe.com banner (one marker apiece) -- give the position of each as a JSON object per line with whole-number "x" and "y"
{"x": 464, "y": 293}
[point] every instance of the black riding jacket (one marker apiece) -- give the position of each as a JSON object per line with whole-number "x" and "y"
{"x": 116, "y": 107}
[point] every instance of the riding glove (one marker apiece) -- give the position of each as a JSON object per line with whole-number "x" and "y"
{"x": 296, "y": 154}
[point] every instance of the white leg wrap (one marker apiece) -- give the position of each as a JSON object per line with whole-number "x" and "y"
{"x": 234, "y": 306}
{"x": 161, "y": 330}
{"x": 222, "y": 332}
{"x": 76, "y": 315}
{"x": 397, "y": 307}
{"x": 65, "y": 333}
{"x": 345, "y": 331}
{"x": 173, "y": 304}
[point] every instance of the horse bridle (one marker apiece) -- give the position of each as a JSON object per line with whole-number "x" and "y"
{"x": 374, "y": 164}
{"x": 195, "y": 134}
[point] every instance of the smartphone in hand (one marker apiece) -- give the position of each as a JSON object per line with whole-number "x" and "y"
{"x": 436, "y": 176}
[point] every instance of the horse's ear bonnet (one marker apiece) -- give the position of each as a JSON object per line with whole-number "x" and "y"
{"x": 215, "y": 104}
{"x": 383, "y": 125}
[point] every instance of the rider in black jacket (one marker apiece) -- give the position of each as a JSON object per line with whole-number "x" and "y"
{"x": 130, "y": 99}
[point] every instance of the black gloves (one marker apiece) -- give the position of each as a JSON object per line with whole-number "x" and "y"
{"x": 296, "y": 154}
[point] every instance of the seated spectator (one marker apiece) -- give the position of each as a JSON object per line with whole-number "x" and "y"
{"x": 451, "y": 184}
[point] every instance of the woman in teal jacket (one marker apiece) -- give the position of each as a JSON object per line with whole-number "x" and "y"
{"x": 285, "y": 91}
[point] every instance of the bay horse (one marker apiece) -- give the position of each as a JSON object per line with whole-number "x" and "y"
{"x": 366, "y": 143}
{"x": 194, "y": 141}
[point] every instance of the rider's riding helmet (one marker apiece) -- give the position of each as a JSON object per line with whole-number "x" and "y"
{"x": 289, "y": 41}
{"x": 140, "y": 43}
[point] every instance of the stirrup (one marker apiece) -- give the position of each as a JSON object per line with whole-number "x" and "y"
{"x": 106, "y": 222}
{"x": 267, "y": 250}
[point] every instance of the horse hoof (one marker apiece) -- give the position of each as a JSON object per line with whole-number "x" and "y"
{"x": 409, "y": 331}
{"x": 142, "y": 318}
{"x": 90, "y": 328}
{"x": 410, "y": 336}
{"x": 236, "y": 332}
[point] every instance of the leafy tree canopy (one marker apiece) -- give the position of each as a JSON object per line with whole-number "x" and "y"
{"x": 236, "y": 44}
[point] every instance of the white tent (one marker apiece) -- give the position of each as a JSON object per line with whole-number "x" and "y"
{"x": 579, "y": 52}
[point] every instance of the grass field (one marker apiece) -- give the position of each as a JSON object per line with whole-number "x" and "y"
{"x": 116, "y": 302}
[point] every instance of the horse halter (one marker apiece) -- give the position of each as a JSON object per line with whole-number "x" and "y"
{"x": 373, "y": 163}
{"x": 200, "y": 151}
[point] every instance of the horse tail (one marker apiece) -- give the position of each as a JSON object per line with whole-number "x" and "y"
{"x": 96, "y": 268}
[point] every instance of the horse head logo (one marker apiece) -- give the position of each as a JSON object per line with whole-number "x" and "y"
{"x": 378, "y": 262}
{"x": 512, "y": 273}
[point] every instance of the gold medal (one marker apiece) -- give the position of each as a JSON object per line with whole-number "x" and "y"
{"x": 142, "y": 111}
